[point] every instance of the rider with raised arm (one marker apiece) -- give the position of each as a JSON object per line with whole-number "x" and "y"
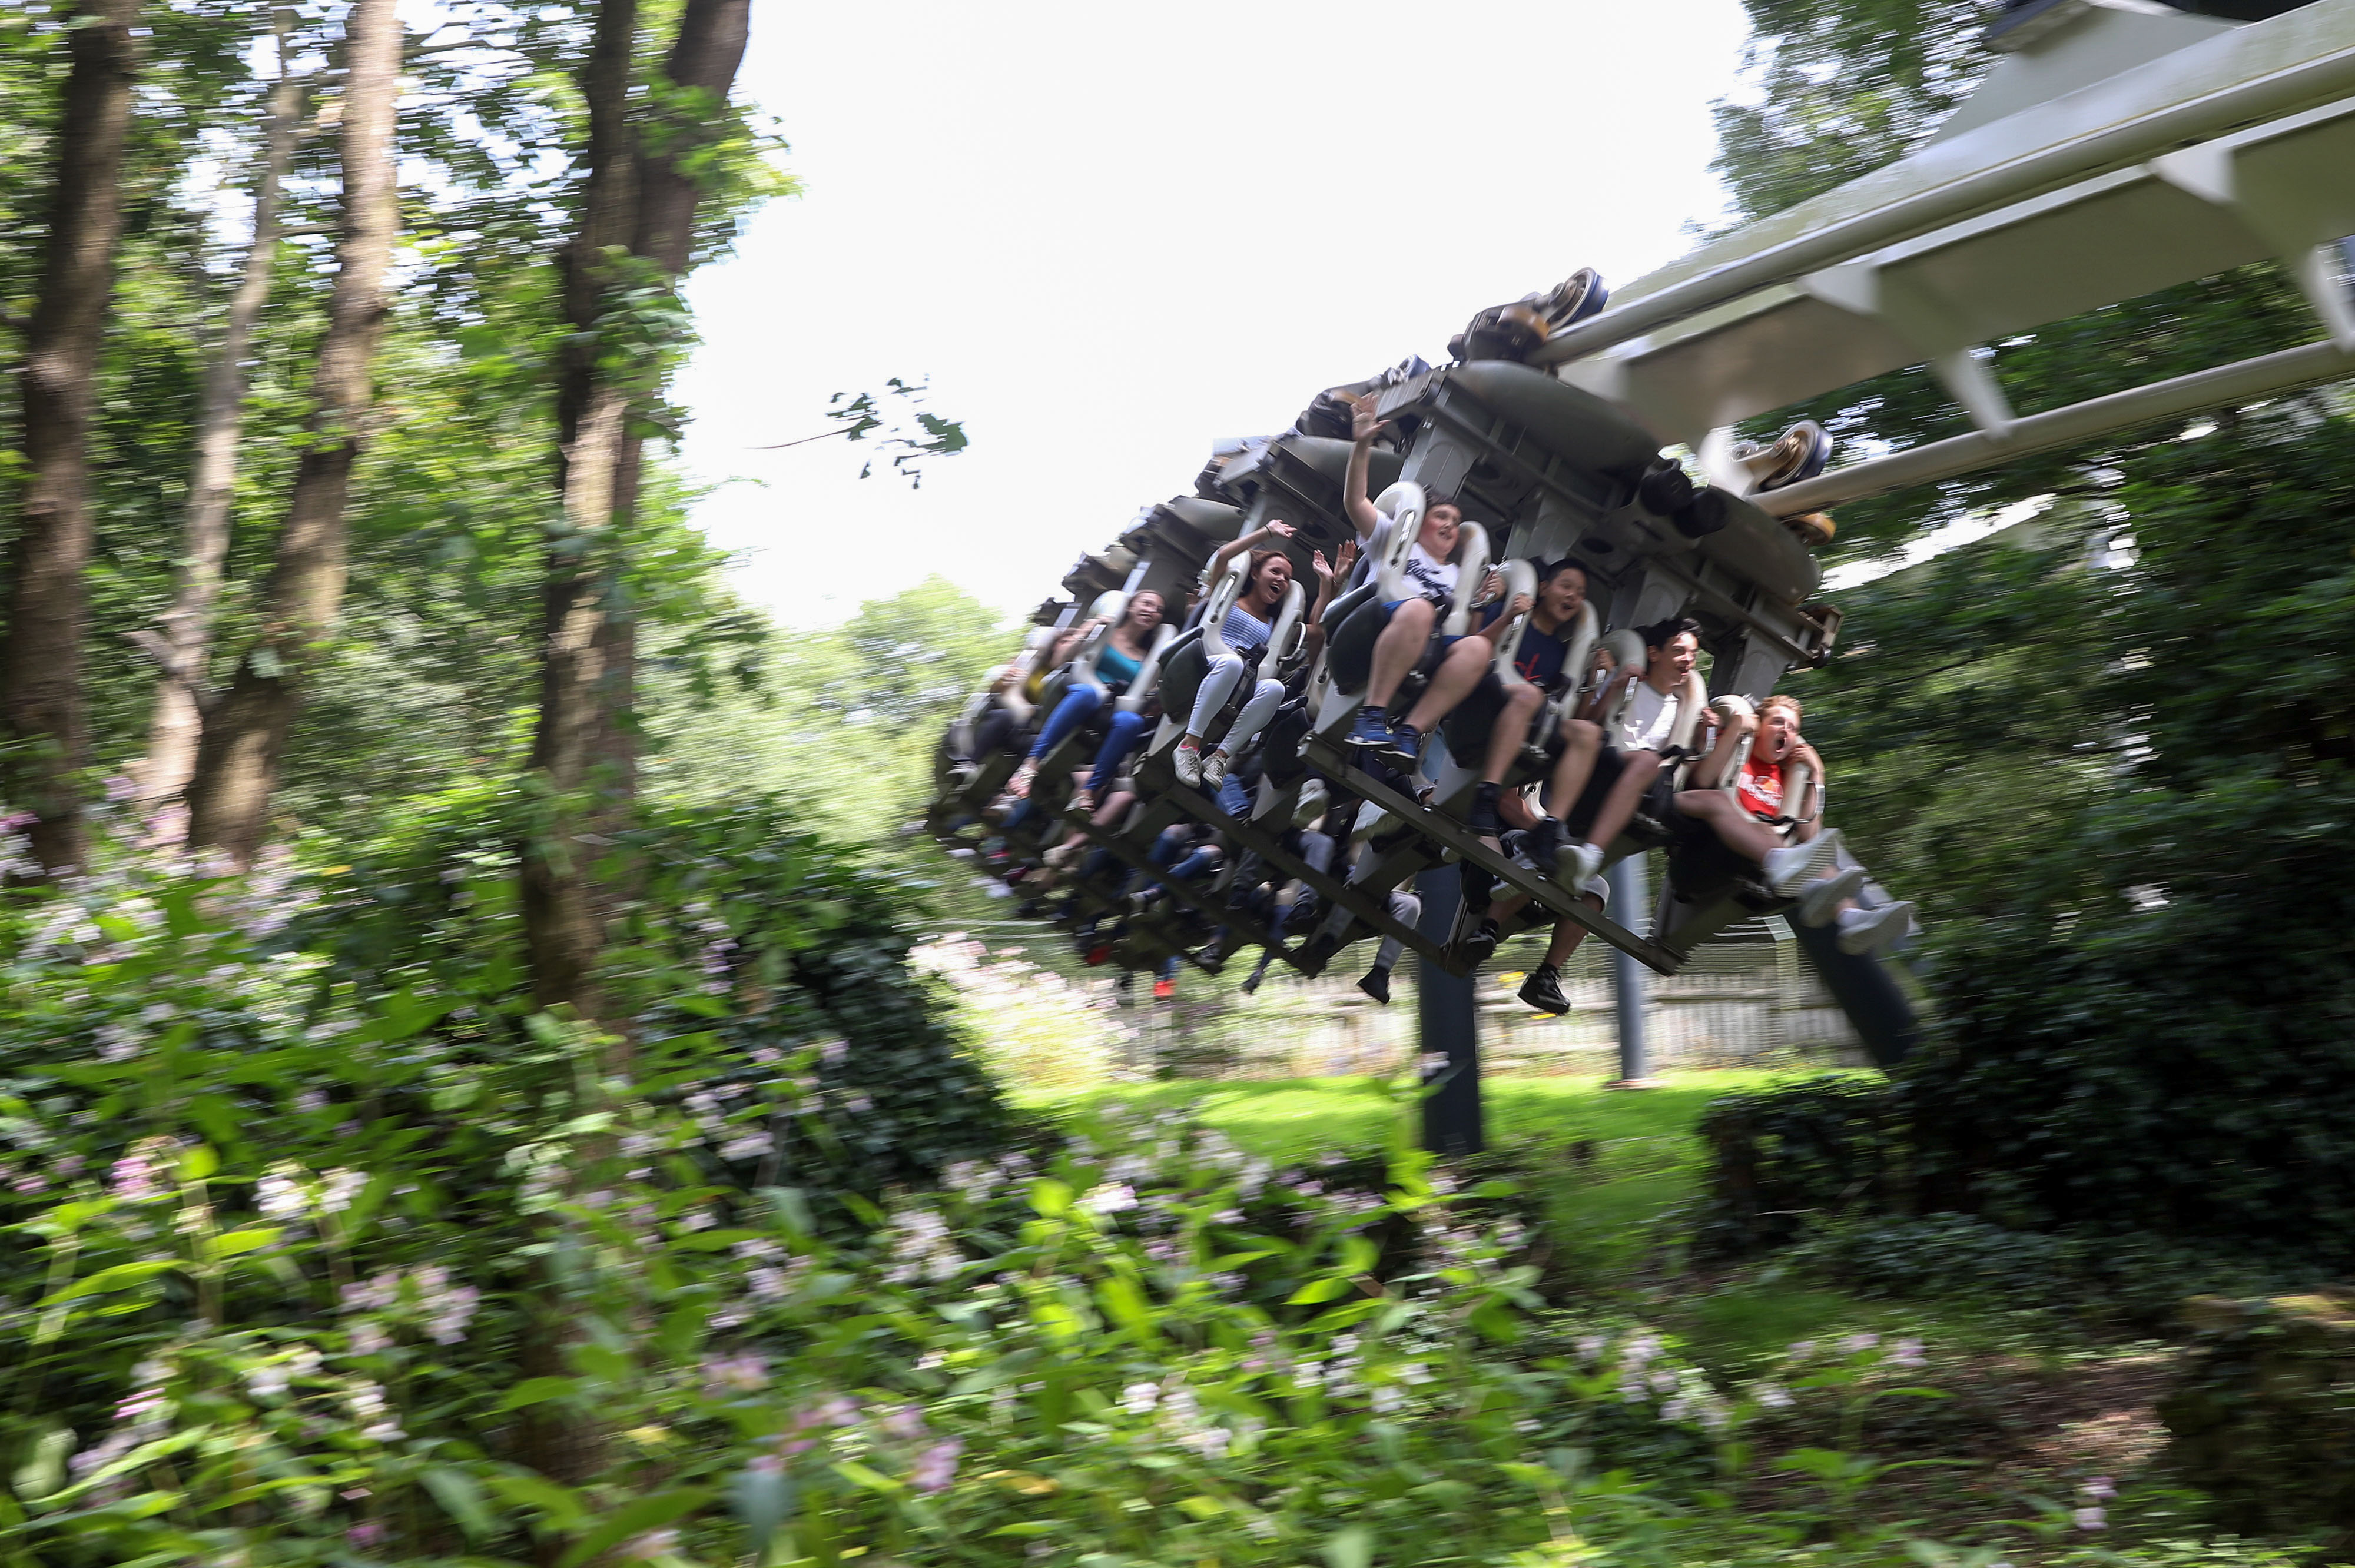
{"x": 1122, "y": 654}
{"x": 1745, "y": 822}
{"x": 1430, "y": 577}
{"x": 1245, "y": 631}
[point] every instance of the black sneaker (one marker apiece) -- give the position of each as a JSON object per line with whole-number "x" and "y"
{"x": 1542, "y": 845}
{"x": 1482, "y": 817}
{"x": 1377, "y": 984}
{"x": 1481, "y": 945}
{"x": 1542, "y": 990}
{"x": 1478, "y": 885}
{"x": 1213, "y": 954}
{"x": 1314, "y": 954}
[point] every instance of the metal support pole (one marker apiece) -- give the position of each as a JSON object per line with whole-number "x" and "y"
{"x": 1630, "y": 903}
{"x": 1451, "y": 1112}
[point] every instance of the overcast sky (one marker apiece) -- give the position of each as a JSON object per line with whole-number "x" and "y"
{"x": 1111, "y": 233}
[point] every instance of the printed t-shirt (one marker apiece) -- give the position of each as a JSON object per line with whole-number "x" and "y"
{"x": 1541, "y": 654}
{"x": 1426, "y": 576}
{"x": 1650, "y": 719}
{"x": 1760, "y": 788}
{"x": 1114, "y": 668}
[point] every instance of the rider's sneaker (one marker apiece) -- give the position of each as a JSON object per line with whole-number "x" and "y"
{"x": 1187, "y": 761}
{"x": 1214, "y": 770}
{"x": 1542, "y": 845}
{"x": 1405, "y": 743}
{"x": 1787, "y": 869}
{"x": 1796, "y": 455}
{"x": 1822, "y": 897}
{"x": 1377, "y": 984}
{"x": 1482, "y": 817}
{"x": 1578, "y": 867}
{"x": 1481, "y": 946}
{"x": 1163, "y": 989}
{"x": 1020, "y": 784}
{"x": 1574, "y": 299}
{"x": 1213, "y": 953}
{"x": 1372, "y": 727}
{"x": 1874, "y": 930}
{"x": 1543, "y": 991}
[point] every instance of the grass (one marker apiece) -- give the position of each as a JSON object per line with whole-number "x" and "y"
{"x": 1292, "y": 1119}
{"x": 1628, "y": 1158}
{"x": 1627, "y": 1165}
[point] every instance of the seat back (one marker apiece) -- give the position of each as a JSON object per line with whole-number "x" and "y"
{"x": 1471, "y": 566}
{"x": 1403, "y": 504}
{"x": 1284, "y": 630}
{"x": 1181, "y": 669}
{"x": 1220, "y": 597}
{"x": 1580, "y": 648}
{"x": 1035, "y": 647}
{"x": 1520, "y": 578}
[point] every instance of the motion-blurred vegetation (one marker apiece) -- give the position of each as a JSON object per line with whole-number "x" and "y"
{"x": 527, "y": 1130}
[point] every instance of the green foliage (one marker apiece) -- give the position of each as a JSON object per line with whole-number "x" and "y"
{"x": 841, "y": 722}
{"x": 1836, "y": 91}
{"x": 1787, "y": 1157}
{"x": 2109, "y": 753}
{"x": 2261, "y": 1419}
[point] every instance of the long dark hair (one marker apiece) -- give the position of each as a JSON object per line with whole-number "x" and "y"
{"x": 1260, "y": 558}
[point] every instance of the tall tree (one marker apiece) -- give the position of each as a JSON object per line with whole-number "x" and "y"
{"x": 42, "y": 706}
{"x": 244, "y": 736}
{"x": 645, "y": 182}
{"x": 183, "y": 636}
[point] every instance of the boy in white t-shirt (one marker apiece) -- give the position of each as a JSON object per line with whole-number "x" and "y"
{"x": 1605, "y": 783}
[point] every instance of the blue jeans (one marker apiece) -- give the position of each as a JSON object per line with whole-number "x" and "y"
{"x": 1120, "y": 738}
{"x": 1078, "y": 706}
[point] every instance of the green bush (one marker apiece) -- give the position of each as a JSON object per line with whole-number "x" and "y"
{"x": 742, "y": 940}
{"x": 2263, "y": 1417}
{"x": 1789, "y": 1157}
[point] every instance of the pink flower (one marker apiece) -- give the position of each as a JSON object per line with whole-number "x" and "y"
{"x": 937, "y": 1467}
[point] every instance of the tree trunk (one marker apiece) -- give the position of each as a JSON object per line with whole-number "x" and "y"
{"x": 245, "y": 731}
{"x": 562, "y": 923}
{"x": 184, "y": 640}
{"x": 41, "y": 701}
{"x": 588, "y": 668}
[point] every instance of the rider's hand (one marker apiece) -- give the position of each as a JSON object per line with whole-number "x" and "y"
{"x": 1346, "y": 556}
{"x": 1321, "y": 566}
{"x": 1280, "y": 528}
{"x": 1363, "y": 424}
{"x": 1520, "y": 606}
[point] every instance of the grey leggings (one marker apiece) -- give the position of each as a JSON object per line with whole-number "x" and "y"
{"x": 1219, "y": 683}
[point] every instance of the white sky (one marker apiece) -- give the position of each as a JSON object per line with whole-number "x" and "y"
{"x": 1109, "y": 233}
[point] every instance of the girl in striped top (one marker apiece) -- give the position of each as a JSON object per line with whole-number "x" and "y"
{"x": 1245, "y": 631}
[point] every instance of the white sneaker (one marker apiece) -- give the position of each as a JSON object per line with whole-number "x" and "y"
{"x": 1787, "y": 869}
{"x": 1214, "y": 771}
{"x": 1874, "y": 930}
{"x": 1822, "y": 897}
{"x": 1578, "y": 865}
{"x": 1311, "y": 804}
{"x": 1187, "y": 761}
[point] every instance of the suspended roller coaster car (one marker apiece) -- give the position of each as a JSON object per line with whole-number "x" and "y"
{"x": 2118, "y": 148}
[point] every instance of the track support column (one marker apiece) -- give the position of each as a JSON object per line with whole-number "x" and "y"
{"x": 1630, "y": 902}
{"x": 1451, "y": 1112}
